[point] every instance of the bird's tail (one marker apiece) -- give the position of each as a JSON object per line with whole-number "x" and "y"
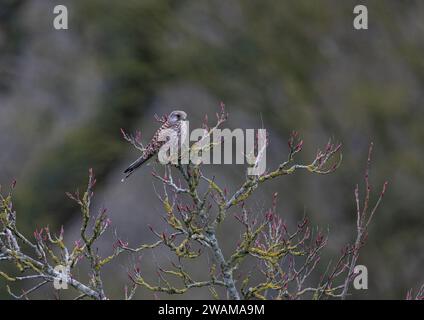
{"x": 136, "y": 164}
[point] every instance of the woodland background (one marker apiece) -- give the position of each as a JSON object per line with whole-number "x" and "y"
{"x": 289, "y": 65}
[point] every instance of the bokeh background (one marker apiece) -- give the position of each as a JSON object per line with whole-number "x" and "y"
{"x": 286, "y": 65}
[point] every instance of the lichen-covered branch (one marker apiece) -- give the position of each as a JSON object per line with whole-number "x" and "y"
{"x": 39, "y": 258}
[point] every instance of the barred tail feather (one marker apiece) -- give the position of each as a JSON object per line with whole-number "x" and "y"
{"x": 136, "y": 164}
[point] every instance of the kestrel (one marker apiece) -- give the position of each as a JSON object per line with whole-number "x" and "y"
{"x": 173, "y": 122}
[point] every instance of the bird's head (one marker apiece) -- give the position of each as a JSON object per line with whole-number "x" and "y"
{"x": 176, "y": 116}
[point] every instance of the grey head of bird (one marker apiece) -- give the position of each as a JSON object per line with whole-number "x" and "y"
{"x": 176, "y": 116}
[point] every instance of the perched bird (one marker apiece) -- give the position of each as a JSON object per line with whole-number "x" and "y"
{"x": 173, "y": 122}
